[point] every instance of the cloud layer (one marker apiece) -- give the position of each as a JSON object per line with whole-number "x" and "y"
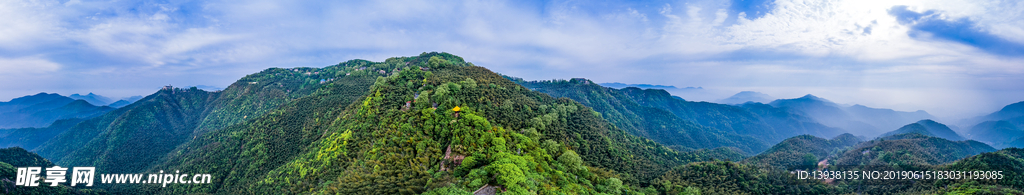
{"x": 947, "y": 57}
{"x": 932, "y": 24}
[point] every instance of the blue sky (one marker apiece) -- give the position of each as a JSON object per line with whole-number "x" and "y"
{"x": 950, "y": 58}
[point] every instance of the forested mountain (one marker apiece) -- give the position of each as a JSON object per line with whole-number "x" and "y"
{"x": 803, "y": 151}
{"x": 431, "y": 123}
{"x": 767, "y": 123}
{"x": 1009, "y": 161}
{"x": 927, "y": 128}
{"x": 241, "y": 153}
{"x": 857, "y": 119}
{"x": 655, "y": 114}
{"x": 769, "y": 172}
{"x": 159, "y": 123}
{"x": 130, "y": 138}
{"x": 19, "y": 157}
{"x": 484, "y": 131}
{"x": 435, "y": 124}
{"x": 14, "y": 157}
{"x": 654, "y": 123}
{"x": 42, "y": 109}
{"x": 911, "y": 148}
{"x": 723, "y": 177}
{"x": 30, "y": 138}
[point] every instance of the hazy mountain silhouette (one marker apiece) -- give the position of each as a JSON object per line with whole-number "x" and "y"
{"x": 1003, "y": 128}
{"x": 42, "y": 109}
{"x": 856, "y": 119}
{"x": 746, "y": 96}
{"x": 996, "y": 133}
{"x": 124, "y": 102}
{"x": 92, "y": 98}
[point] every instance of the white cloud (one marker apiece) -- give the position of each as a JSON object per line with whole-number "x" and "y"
{"x": 25, "y": 25}
{"x": 27, "y": 65}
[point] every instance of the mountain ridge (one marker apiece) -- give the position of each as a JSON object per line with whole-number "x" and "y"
{"x": 648, "y": 121}
{"x": 1002, "y": 128}
{"x": 42, "y": 109}
{"x": 857, "y": 119}
{"x": 746, "y": 96}
{"x": 929, "y": 128}
{"x": 92, "y": 98}
{"x": 511, "y": 134}
{"x": 436, "y": 124}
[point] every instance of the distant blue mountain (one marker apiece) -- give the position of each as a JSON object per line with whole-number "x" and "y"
{"x": 1014, "y": 110}
{"x": 30, "y": 138}
{"x": 133, "y": 98}
{"x": 42, "y": 109}
{"x": 1003, "y": 128}
{"x": 119, "y": 103}
{"x": 996, "y": 133}
{"x": 746, "y": 96}
{"x": 856, "y": 119}
{"x": 92, "y": 98}
{"x": 125, "y": 101}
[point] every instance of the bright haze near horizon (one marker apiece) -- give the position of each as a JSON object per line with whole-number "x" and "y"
{"x": 950, "y": 58}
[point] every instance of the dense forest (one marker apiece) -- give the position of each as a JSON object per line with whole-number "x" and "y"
{"x": 804, "y": 151}
{"x": 436, "y": 124}
{"x": 406, "y": 136}
{"x": 775, "y": 171}
{"x": 14, "y": 157}
{"x": 654, "y": 123}
{"x": 928, "y": 128}
{"x": 681, "y": 124}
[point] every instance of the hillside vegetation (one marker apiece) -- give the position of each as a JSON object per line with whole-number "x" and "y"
{"x": 681, "y": 124}
{"x": 436, "y": 124}
{"x": 396, "y": 141}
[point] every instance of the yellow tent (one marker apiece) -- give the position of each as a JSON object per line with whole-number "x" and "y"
{"x": 456, "y": 109}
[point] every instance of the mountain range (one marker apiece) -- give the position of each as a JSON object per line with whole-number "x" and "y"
{"x": 775, "y": 171}
{"x": 291, "y": 118}
{"x": 657, "y": 115}
{"x": 92, "y": 99}
{"x": 29, "y": 121}
{"x": 857, "y": 119}
{"x": 1003, "y": 128}
{"x": 40, "y": 110}
{"x": 436, "y": 124}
